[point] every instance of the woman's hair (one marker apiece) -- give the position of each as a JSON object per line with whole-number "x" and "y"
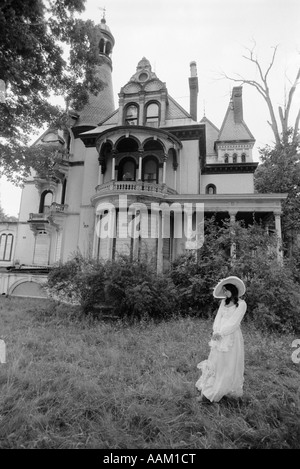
{"x": 234, "y": 294}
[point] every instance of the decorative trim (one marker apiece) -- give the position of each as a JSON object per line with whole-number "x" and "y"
{"x": 229, "y": 168}
{"x": 131, "y": 130}
{"x": 89, "y": 141}
{"x": 80, "y": 129}
{"x": 187, "y": 132}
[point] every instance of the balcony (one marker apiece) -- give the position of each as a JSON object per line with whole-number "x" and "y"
{"x": 48, "y": 211}
{"x": 51, "y": 216}
{"x": 134, "y": 187}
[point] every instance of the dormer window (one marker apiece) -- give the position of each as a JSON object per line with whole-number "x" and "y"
{"x": 131, "y": 115}
{"x": 152, "y": 115}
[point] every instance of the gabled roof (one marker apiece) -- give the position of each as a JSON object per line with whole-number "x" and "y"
{"x": 175, "y": 111}
{"x": 231, "y": 130}
{"x": 204, "y": 120}
{"x": 211, "y": 134}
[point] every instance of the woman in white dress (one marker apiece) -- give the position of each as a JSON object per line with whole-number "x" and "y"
{"x": 223, "y": 371}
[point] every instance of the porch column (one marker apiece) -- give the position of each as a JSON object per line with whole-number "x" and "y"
{"x": 160, "y": 215}
{"x": 277, "y": 216}
{"x": 111, "y": 232}
{"x": 100, "y": 174}
{"x": 136, "y": 240}
{"x": 175, "y": 166}
{"x": 140, "y": 164}
{"x": 232, "y": 214}
{"x": 113, "y": 164}
{"x": 164, "y": 169}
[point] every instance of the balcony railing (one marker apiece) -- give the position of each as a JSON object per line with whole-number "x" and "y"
{"x": 54, "y": 207}
{"x": 48, "y": 211}
{"x": 38, "y": 216}
{"x": 134, "y": 186}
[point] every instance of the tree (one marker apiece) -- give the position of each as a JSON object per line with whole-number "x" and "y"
{"x": 4, "y": 217}
{"x": 34, "y": 37}
{"x": 280, "y": 172}
{"x": 282, "y": 135}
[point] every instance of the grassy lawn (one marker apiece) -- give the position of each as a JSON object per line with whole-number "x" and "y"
{"x": 70, "y": 383}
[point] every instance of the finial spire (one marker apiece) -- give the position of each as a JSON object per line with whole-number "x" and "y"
{"x": 103, "y": 13}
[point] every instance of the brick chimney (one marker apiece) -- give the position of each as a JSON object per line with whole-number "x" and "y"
{"x": 193, "y": 82}
{"x": 237, "y": 102}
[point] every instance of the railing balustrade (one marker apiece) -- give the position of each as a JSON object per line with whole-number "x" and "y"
{"x": 136, "y": 186}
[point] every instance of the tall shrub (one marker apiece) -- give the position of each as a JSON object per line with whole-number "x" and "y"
{"x": 80, "y": 281}
{"x": 135, "y": 289}
{"x": 272, "y": 293}
{"x": 196, "y": 273}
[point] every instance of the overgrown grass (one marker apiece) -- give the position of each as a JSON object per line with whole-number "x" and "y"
{"x": 72, "y": 383}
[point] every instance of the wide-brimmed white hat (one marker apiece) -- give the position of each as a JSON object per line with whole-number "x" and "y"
{"x": 237, "y": 282}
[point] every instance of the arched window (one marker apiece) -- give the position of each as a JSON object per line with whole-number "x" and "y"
{"x": 234, "y": 158}
{"x": 63, "y": 192}
{"x": 46, "y": 201}
{"x": 243, "y": 158}
{"x": 101, "y": 46}
{"x": 127, "y": 170}
{"x": 131, "y": 115}
{"x": 152, "y": 115}
{"x": 150, "y": 170}
{"x": 6, "y": 244}
{"x": 108, "y": 48}
{"x": 211, "y": 189}
{"x": 226, "y": 158}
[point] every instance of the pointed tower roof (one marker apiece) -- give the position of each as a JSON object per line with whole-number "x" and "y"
{"x": 234, "y": 127}
{"x": 102, "y": 105}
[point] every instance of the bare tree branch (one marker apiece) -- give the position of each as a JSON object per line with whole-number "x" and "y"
{"x": 271, "y": 63}
{"x": 296, "y": 127}
{"x": 291, "y": 93}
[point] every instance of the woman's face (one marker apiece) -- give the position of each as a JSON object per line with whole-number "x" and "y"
{"x": 226, "y": 292}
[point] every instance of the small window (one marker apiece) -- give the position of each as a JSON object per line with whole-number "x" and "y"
{"x": 211, "y": 189}
{"x": 243, "y": 158}
{"x": 226, "y": 158}
{"x": 131, "y": 117}
{"x": 234, "y": 158}
{"x": 6, "y": 244}
{"x": 152, "y": 115}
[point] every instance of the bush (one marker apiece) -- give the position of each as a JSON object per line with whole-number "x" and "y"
{"x": 273, "y": 299}
{"x": 272, "y": 292}
{"x": 136, "y": 290}
{"x": 195, "y": 274}
{"x": 78, "y": 281}
{"x": 132, "y": 288}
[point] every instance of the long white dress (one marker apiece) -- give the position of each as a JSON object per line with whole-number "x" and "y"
{"x": 223, "y": 371}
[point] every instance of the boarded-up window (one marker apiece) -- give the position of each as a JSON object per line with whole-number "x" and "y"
{"x": 41, "y": 249}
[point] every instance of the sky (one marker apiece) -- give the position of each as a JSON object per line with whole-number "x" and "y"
{"x": 216, "y": 34}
